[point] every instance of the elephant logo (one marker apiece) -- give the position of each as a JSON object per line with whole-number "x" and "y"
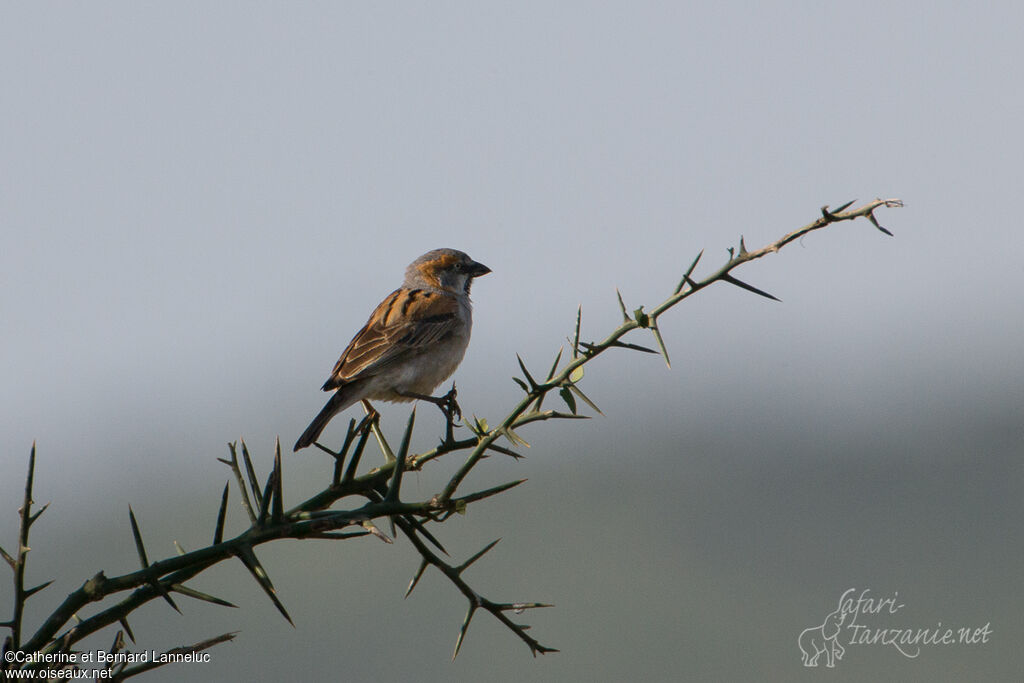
{"x": 823, "y": 639}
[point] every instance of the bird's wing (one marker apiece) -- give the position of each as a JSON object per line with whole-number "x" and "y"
{"x": 406, "y": 322}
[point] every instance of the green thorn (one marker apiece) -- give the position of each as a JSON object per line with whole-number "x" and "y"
{"x": 462, "y": 631}
{"x": 465, "y": 565}
{"x": 251, "y": 473}
{"x": 218, "y": 533}
{"x": 529, "y": 378}
{"x": 139, "y": 547}
{"x": 622, "y": 306}
{"x": 416, "y": 579}
{"x": 661, "y": 344}
{"x": 568, "y": 398}
{"x": 248, "y": 558}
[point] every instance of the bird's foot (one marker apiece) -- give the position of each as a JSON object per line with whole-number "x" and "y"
{"x": 448, "y": 406}
{"x": 452, "y": 412}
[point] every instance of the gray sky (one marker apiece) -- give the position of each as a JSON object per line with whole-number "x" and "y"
{"x": 201, "y": 203}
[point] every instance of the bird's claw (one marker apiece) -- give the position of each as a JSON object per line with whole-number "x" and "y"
{"x": 450, "y": 407}
{"x": 452, "y": 412}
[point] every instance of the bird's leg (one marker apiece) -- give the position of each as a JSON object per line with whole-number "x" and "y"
{"x": 448, "y": 405}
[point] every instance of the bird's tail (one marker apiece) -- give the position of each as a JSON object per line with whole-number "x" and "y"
{"x": 338, "y": 402}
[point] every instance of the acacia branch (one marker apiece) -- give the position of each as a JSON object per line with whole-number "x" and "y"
{"x": 372, "y": 496}
{"x": 584, "y": 352}
{"x": 476, "y": 601}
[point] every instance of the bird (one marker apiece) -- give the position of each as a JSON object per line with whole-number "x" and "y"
{"x": 413, "y": 341}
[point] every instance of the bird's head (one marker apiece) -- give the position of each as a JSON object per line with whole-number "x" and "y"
{"x": 447, "y": 269}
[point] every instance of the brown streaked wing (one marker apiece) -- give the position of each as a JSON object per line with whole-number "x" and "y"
{"x": 405, "y": 321}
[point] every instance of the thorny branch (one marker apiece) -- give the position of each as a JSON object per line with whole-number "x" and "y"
{"x": 378, "y": 488}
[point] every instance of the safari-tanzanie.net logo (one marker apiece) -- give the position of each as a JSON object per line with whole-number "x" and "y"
{"x": 861, "y": 619}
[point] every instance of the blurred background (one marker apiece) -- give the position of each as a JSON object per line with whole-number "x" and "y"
{"x": 200, "y": 203}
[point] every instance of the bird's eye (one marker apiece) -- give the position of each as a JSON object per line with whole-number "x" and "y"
{"x": 457, "y": 267}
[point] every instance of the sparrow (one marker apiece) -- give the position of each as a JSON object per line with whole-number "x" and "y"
{"x": 412, "y": 342}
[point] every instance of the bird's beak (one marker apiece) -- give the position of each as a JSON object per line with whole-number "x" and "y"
{"x": 478, "y": 269}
